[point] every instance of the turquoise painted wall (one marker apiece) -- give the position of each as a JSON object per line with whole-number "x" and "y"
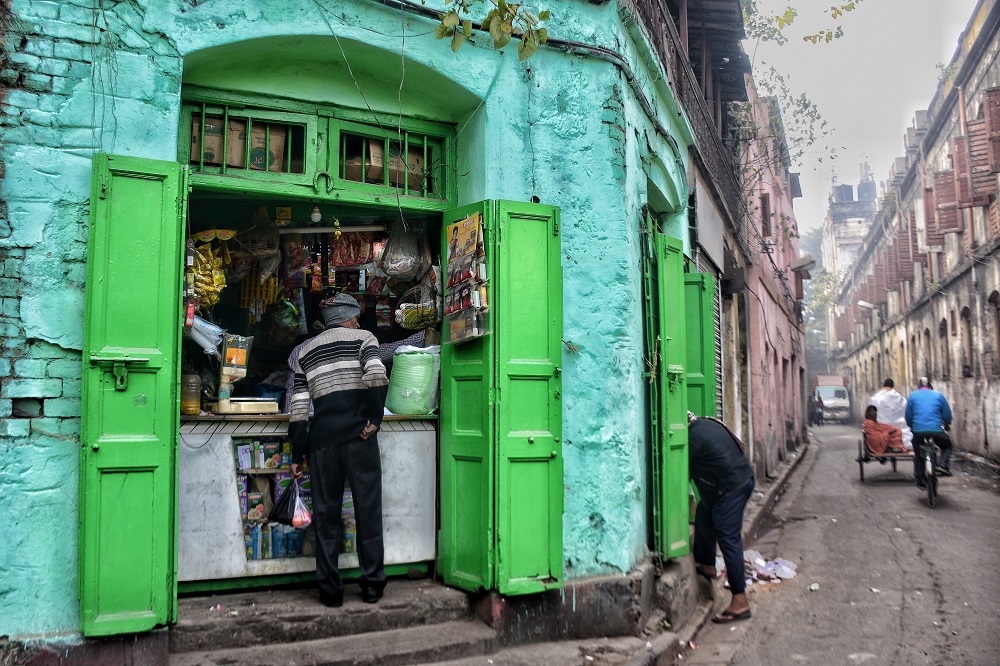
{"x": 567, "y": 129}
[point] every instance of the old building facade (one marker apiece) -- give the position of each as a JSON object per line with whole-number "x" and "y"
{"x": 929, "y": 264}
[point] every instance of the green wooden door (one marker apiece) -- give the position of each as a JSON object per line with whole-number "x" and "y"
{"x": 527, "y": 325}
{"x": 699, "y": 316}
{"x": 130, "y": 406}
{"x": 468, "y": 395}
{"x": 673, "y": 453}
{"x": 651, "y": 375}
{"x": 501, "y": 414}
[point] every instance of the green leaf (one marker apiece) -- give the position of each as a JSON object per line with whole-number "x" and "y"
{"x": 543, "y": 35}
{"x": 543, "y": 16}
{"x": 502, "y": 7}
{"x": 507, "y": 27}
{"x": 441, "y": 31}
{"x": 527, "y": 47}
{"x": 487, "y": 22}
{"x": 450, "y": 19}
{"x": 456, "y": 41}
{"x": 467, "y": 28}
{"x": 502, "y": 41}
{"x": 495, "y": 32}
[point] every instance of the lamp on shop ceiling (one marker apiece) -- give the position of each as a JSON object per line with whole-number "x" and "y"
{"x": 316, "y": 215}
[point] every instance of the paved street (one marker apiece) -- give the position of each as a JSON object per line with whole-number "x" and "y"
{"x": 899, "y": 582}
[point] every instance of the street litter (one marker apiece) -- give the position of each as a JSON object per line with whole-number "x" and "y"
{"x": 216, "y": 607}
{"x": 761, "y": 570}
{"x": 875, "y": 590}
{"x": 814, "y": 587}
{"x": 693, "y": 646}
{"x": 833, "y": 520}
{"x": 589, "y": 658}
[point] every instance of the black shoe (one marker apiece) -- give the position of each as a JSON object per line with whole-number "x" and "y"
{"x": 942, "y": 472}
{"x": 370, "y": 595}
{"x": 331, "y": 600}
{"x": 922, "y": 484}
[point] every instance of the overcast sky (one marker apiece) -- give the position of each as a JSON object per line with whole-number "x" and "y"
{"x": 867, "y": 84}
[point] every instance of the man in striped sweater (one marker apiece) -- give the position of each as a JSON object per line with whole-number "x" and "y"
{"x": 340, "y": 371}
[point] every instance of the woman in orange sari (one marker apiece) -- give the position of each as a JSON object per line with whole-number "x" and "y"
{"x": 881, "y": 437}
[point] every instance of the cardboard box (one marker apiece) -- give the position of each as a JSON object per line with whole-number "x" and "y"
{"x": 255, "y": 507}
{"x": 274, "y": 155}
{"x": 236, "y": 143}
{"x": 271, "y": 454}
{"x": 213, "y": 140}
{"x": 372, "y": 171}
{"x": 397, "y": 170}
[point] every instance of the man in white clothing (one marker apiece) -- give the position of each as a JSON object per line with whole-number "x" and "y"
{"x": 892, "y": 410}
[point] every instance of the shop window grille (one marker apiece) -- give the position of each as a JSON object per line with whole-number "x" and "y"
{"x": 245, "y": 141}
{"x": 413, "y": 166}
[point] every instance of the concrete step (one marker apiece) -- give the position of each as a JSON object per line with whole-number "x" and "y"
{"x": 583, "y": 652}
{"x": 265, "y": 617}
{"x": 392, "y": 647}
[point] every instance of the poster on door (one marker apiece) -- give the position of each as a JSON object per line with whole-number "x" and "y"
{"x": 466, "y": 305}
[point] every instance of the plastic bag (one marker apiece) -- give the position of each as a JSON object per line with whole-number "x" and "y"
{"x": 402, "y": 257}
{"x": 417, "y": 308}
{"x": 303, "y": 516}
{"x": 284, "y": 509}
{"x": 267, "y": 266}
{"x": 412, "y": 382}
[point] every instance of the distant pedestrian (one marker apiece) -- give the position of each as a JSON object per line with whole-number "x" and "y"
{"x": 928, "y": 414}
{"x": 720, "y": 469}
{"x": 892, "y": 409}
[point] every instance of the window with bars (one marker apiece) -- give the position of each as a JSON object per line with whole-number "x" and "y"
{"x": 765, "y": 215}
{"x": 244, "y": 141}
{"x": 411, "y": 162}
{"x": 290, "y": 148}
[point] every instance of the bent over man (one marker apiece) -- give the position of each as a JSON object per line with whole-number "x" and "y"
{"x": 722, "y": 473}
{"x": 340, "y": 371}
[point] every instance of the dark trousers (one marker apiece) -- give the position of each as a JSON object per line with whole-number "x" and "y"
{"x": 360, "y": 463}
{"x": 941, "y": 462}
{"x": 721, "y": 522}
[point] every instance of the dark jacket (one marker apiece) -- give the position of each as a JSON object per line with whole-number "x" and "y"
{"x": 717, "y": 464}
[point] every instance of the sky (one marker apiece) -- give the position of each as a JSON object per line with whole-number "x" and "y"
{"x": 868, "y": 84}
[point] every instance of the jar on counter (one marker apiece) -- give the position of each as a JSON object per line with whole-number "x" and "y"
{"x": 190, "y": 394}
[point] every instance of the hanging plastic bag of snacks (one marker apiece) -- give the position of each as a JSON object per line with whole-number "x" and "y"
{"x": 403, "y": 257}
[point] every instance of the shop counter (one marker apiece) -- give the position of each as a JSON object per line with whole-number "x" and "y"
{"x": 211, "y": 545}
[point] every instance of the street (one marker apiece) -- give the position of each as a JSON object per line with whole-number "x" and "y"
{"x": 897, "y": 582}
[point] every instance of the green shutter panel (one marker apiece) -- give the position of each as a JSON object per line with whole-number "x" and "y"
{"x": 527, "y": 325}
{"x": 673, "y": 399}
{"x": 651, "y": 374}
{"x": 466, "y": 539}
{"x": 699, "y": 315}
{"x": 130, "y": 408}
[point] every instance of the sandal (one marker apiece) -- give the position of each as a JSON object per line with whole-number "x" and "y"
{"x": 726, "y": 617}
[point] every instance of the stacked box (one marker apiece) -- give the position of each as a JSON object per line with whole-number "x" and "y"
{"x": 350, "y": 532}
{"x": 282, "y": 482}
{"x": 244, "y": 456}
{"x": 255, "y": 507}
{"x": 305, "y": 490}
{"x": 242, "y": 489}
{"x": 270, "y": 455}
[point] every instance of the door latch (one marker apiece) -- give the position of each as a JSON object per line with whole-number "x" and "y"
{"x": 119, "y": 367}
{"x": 675, "y": 376}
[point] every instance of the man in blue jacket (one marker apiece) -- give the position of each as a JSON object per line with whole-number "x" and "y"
{"x": 929, "y": 415}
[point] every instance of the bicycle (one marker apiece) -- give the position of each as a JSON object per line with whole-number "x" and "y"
{"x": 926, "y": 448}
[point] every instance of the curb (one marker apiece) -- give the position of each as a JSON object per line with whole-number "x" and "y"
{"x": 775, "y": 489}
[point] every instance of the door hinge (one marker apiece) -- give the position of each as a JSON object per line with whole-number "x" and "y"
{"x": 555, "y": 227}
{"x": 103, "y": 193}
